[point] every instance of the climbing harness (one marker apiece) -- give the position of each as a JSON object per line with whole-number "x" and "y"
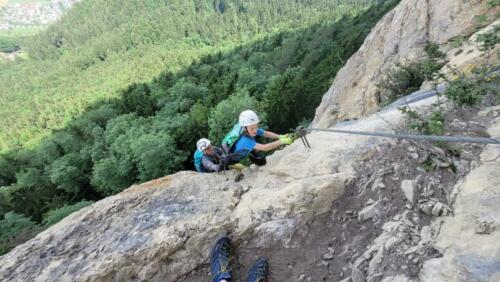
{"x": 302, "y": 132}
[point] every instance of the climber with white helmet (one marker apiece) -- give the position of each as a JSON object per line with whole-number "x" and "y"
{"x": 240, "y": 142}
{"x": 208, "y": 158}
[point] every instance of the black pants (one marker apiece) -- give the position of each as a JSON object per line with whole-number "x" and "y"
{"x": 257, "y": 158}
{"x": 254, "y": 157}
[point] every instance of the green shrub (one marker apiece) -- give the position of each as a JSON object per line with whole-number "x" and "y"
{"x": 489, "y": 40}
{"x": 433, "y": 125}
{"x": 429, "y": 68}
{"x": 54, "y": 216}
{"x": 400, "y": 81}
{"x": 465, "y": 92}
{"x": 493, "y": 3}
{"x": 404, "y": 80}
{"x": 457, "y": 41}
{"x": 432, "y": 50}
{"x": 428, "y": 165}
{"x": 480, "y": 21}
{"x": 8, "y": 45}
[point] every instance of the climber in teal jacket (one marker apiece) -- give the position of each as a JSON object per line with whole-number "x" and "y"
{"x": 208, "y": 158}
{"x": 240, "y": 142}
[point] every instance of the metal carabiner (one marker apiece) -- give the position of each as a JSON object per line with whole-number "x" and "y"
{"x": 301, "y": 132}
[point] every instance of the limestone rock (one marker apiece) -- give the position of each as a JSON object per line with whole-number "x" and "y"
{"x": 329, "y": 255}
{"x": 276, "y": 231}
{"x": 434, "y": 207}
{"x": 368, "y": 212}
{"x": 163, "y": 229}
{"x": 357, "y": 275}
{"x": 468, "y": 55}
{"x": 484, "y": 227}
{"x": 408, "y": 187}
{"x": 378, "y": 184}
{"x": 399, "y": 278}
{"x": 467, "y": 255}
{"x": 376, "y": 266}
{"x": 398, "y": 38}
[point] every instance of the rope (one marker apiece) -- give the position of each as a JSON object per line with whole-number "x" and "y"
{"x": 301, "y": 131}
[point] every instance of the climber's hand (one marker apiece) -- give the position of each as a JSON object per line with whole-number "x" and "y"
{"x": 223, "y": 163}
{"x": 285, "y": 139}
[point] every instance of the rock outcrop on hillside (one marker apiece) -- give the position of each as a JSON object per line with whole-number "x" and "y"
{"x": 399, "y": 38}
{"x": 470, "y": 240}
{"x": 351, "y": 208}
{"x": 161, "y": 230}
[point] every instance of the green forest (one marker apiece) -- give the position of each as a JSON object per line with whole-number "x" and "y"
{"x": 100, "y": 47}
{"x": 118, "y": 92}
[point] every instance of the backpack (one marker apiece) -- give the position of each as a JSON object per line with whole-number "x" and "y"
{"x": 198, "y": 155}
{"x": 231, "y": 138}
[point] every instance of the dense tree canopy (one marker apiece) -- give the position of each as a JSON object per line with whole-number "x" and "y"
{"x": 146, "y": 130}
{"x": 102, "y": 46}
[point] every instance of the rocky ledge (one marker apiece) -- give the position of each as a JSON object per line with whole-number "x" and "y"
{"x": 162, "y": 230}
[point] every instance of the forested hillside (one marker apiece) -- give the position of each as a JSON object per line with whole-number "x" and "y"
{"x": 121, "y": 91}
{"x": 100, "y": 47}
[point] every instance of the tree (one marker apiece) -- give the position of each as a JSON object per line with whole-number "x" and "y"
{"x": 137, "y": 99}
{"x": 112, "y": 175}
{"x": 54, "y": 216}
{"x": 225, "y": 115}
{"x": 281, "y": 99}
{"x": 156, "y": 155}
{"x": 183, "y": 94}
{"x": 15, "y": 229}
{"x": 69, "y": 173}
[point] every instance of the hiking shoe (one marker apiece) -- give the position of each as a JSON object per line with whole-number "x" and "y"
{"x": 220, "y": 259}
{"x": 258, "y": 272}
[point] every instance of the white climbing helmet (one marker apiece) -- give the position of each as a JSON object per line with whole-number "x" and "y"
{"x": 248, "y": 117}
{"x": 202, "y": 144}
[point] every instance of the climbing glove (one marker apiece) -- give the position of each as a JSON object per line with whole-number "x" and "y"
{"x": 238, "y": 167}
{"x": 285, "y": 139}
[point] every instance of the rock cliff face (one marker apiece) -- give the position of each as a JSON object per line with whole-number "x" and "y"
{"x": 400, "y": 37}
{"x": 351, "y": 208}
{"x": 161, "y": 230}
{"x": 470, "y": 240}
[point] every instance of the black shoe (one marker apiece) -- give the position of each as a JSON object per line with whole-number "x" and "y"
{"x": 220, "y": 259}
{"x": 258, "y": 272}
{"x": 257, "y": 159}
